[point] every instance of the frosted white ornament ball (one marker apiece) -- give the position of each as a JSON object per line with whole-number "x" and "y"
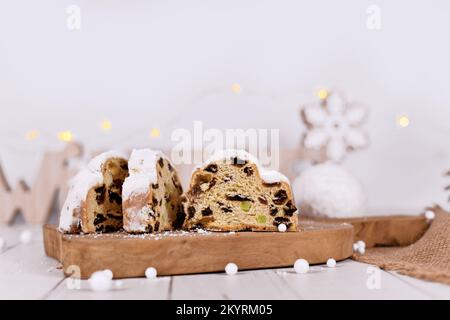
{"x": 301, "y": 266}
{"x": 355, "y": 247}
{"x": 231, "y": 269}
{"x": 2, "y": 244}
{"x": 99, "y": 281}
{"x": 429, "y": 215}
{"x": 25, "y": 236}
{"x": 361, "y": 250}
{"x": 331, "y": 263}
{"x": 151, "y": 273}
{"x": 328, "y": 190}
{"x": 282, "y": 227}
{"x": 361, "y": 244}
{"x": 108, "y": 273}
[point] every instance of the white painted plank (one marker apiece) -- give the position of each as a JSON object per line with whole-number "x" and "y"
{"x": 434, "y": 290}
{"x": 136, "y": 289}
{"x": 348, "y": 281}
{"x": 12, "y": 234}
{"x": 259, "y": 284}
{"x": 26, "y": 273}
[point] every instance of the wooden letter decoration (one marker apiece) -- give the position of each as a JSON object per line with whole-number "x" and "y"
{"x": 35, "y": 202}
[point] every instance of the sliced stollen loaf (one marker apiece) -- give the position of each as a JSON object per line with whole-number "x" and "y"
{"x": 231, "y": 192}
{"x": 94, "y": 200}
{"x": 151, "y": 194}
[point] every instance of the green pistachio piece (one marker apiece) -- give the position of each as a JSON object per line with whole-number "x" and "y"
{"x": 261, "y": 219}
{"x": 246, "y": 205}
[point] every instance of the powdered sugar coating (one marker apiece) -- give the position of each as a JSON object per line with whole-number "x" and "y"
{"x": 80, "y": 185}
{"x": 268, "y": 176}
{"x": 138, "y": 218}
{"x": 95, "y": 165}
{"x": 142, "y": 172}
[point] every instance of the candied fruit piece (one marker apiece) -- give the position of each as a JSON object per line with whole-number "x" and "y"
{"x": 261, "y": 219}
{"x": 246, "y": 205}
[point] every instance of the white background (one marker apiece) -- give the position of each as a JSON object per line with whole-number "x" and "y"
{"x": 164, "y": 64}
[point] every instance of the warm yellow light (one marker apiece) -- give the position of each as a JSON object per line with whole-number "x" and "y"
{"x": 322, "y": 94}
{"x": 32, "y": 135}
{"x": 155, "y": 133}
{"x": 106, "y": 126}
{"x": 65, "y": 136}
{"x": 236, "y": 88}
{"x": 403, "y": 121}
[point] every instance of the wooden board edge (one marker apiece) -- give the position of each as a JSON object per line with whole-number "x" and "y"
{"x": 79, "y": 251}
{"x": 394, "y": 230}
{"x": 52, "y": 241}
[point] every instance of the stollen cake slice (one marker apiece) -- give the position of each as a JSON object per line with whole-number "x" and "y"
{"x": 94, "y": 200}
{"x": 232, "y": 192}
{"x": 151, "y": 193}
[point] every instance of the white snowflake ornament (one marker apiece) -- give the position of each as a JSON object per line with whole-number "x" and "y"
{"x": 334, "y": 125}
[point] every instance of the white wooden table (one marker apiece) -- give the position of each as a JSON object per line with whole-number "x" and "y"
{"x": 26, "y": 273}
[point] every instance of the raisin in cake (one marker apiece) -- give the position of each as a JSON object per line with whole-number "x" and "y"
{"x": 231, "y": 192}
{"x": 94, "y": 201}
{"x": 151, "y": 194}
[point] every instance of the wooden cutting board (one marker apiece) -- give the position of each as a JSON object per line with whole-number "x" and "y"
{"x": 378, "y": 231}
{"x": 178, "y": 252}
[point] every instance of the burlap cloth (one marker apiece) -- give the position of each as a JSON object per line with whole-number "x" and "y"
{"x": 428, "y": 258}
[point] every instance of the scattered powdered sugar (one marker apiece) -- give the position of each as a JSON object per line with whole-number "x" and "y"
{"x": 149, "y": 236}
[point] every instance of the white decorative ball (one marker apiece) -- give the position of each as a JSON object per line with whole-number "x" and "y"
{"x": 361, "y": 244}
{"x": 430, "y": 215}
{"x": 355, "y": 247}
{"x": 25, "y": 236}
{"x": 328, "y": 190}
{"x": 331, "y": 263}
{"x": 2, "y": 244}
{"x": 151, "y": 273}
{"x": 108, "y": 273}
{"x": 231, "y": 269}
{"x": 361, "y": 250}
{"x": 301, "y": 266}
{"x": 282, "y": 227}
{"x": 99, "y": 281}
